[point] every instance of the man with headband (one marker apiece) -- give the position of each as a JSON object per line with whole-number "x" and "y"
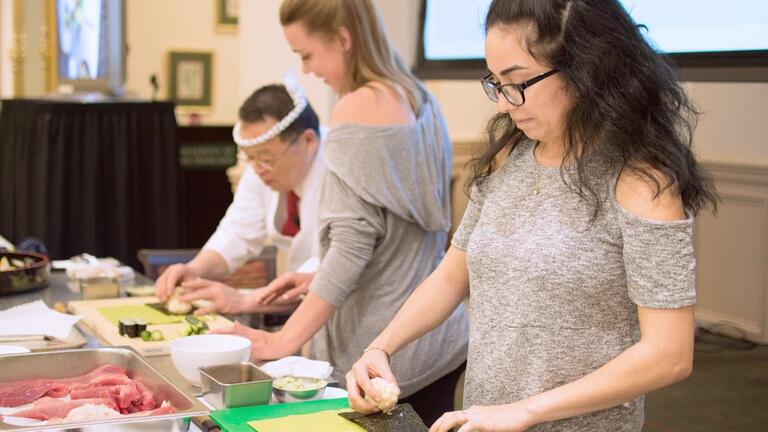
{"x": 278, "y": 136}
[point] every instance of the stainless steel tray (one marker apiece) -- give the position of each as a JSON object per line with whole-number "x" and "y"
{"x": 235, "y": 385}
{"x": 62, "y": 364}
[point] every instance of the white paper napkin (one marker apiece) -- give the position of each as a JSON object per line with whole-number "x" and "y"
{"x": 36, "y": 318}
{"x": 298, "y": 366}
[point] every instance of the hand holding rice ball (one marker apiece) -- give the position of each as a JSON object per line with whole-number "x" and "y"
{"x": 176, "y": 306}
{"x": 388, "y": 393}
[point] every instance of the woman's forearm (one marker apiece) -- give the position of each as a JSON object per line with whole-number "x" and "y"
{"x": 429, "y": 305}
{"x": 656, "y": 361}
{"x": 309, "y": 317}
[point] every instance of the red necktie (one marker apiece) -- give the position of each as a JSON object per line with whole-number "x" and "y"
{"x": 291, "y": 225}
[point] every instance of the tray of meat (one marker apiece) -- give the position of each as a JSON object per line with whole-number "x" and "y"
{"x": 99, "y": 389}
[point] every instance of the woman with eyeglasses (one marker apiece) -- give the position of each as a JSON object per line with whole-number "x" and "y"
{"x": 576, "y": 248}
{"x": 384, "y": 209}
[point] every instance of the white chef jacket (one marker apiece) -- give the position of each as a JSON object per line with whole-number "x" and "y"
{"x": 257, "y": 213}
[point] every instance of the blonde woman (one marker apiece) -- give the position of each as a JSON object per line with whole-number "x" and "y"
{"x": 384, "y": 206}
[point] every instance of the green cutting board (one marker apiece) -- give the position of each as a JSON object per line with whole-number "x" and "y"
{"x": 148, "y": 314}
{"x": 236, "y": 419}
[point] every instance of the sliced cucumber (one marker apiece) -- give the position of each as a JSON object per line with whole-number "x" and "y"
{"x": 185, "y": 331}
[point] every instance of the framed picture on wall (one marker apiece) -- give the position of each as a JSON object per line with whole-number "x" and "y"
{"x": 190, "y": 79}
{"x": 226, "y": 15}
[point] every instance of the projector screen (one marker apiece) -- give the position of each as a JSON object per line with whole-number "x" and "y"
{"x": 710, "y": 34}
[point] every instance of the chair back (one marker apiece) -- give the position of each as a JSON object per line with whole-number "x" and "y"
{"x": 254, "y": 274}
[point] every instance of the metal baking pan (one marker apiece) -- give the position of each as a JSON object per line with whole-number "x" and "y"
{"x": 62, "y": 364}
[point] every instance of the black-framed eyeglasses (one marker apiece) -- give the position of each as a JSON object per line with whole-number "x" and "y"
{"x": 266, "y": 162}
{"x": 514, "y": 93}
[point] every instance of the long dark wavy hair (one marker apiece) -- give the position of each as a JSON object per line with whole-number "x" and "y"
{"x": 629, "y": 107}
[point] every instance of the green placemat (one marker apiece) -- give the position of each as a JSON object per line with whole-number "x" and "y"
{"x": 148, "y": 314}
{"x": 236, "y": 419}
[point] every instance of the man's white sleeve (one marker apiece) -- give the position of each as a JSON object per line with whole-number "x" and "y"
{"x": 242, "y": 232}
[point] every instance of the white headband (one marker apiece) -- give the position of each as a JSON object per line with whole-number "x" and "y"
{"x": 299, "y": 103}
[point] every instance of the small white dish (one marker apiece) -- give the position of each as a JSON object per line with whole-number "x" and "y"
{"x": 335, "y": 393}
{"x": 13, "y": 349}
{"x": 193, "y": 352}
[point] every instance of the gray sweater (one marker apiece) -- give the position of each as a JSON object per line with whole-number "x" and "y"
{"x": 553, "y": 297}
{"x": 383, "y": 222}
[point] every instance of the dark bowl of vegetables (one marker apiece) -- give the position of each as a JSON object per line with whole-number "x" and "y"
{"x": 23, "y": 271}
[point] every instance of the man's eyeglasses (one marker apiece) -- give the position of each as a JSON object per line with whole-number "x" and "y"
{"x": 514, "y": 93}
{"x": 267, "y": 162}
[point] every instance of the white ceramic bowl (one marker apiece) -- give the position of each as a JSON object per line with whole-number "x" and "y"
{"x": 193, "y": 352}
{"x": 13, "y": 349}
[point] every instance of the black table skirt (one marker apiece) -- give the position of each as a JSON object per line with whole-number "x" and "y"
{"x": 89, "y": 177}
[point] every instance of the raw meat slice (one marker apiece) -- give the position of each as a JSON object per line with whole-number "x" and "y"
{"x": 49, "y": 408}
{"x": 17, "y": 393}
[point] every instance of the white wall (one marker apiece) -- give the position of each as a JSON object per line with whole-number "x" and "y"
{"x": 258, "y": 54}
{"x": 265, "y": 56}
{"x": 156, "y": 27}
{"x": 254, "y": 56}
{"x": 732, "y": 128}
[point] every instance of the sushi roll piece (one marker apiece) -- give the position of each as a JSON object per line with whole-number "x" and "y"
{"x": 141, "y": 325}
{"x": 123, "y": 326}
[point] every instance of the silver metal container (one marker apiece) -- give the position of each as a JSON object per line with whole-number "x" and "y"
{"x": 235, "y": 385}
{"x": 63, "y": 364}
{"x": 315, "y": 389}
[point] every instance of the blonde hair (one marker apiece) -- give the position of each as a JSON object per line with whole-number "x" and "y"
{"x": 371, "y": 57}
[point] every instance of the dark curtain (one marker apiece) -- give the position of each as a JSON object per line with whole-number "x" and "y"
{"x": 100, "y": 178}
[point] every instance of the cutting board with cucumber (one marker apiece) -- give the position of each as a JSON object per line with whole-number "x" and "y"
{"x": 134, "y": 322}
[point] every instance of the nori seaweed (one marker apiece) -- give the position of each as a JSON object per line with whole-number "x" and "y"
{"x": 161, "y": 307}
{"x": 402, "y": 419}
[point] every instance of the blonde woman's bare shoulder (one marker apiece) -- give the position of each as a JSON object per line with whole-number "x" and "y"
{"x": 372, "y": 105}
{"x": 637, "y": 195}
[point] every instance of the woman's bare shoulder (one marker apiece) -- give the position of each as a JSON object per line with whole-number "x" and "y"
{"x": 374, "y": 104}
{"x": 638, "y": 195}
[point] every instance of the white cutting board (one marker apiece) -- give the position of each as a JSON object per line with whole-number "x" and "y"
{"x": 108, "y": 331}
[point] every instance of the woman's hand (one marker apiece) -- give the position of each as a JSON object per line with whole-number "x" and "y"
{"x": 286, "y": 288}
{"x": 264, "y": 345}
{"x": 496, "y": 418}
{"x": 224, "y": 299}
{"x": 374, "y": 363}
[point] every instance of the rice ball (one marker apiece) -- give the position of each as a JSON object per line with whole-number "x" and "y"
{"x": 176, "y": 306}
{"x": 388, "y": 392}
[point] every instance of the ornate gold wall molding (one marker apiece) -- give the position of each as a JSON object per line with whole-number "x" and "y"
{"x": 49, "y": 46}
{"x": 17, "y": 52}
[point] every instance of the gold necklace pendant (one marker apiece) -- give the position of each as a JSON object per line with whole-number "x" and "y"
{"x": 536, "y": 174}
